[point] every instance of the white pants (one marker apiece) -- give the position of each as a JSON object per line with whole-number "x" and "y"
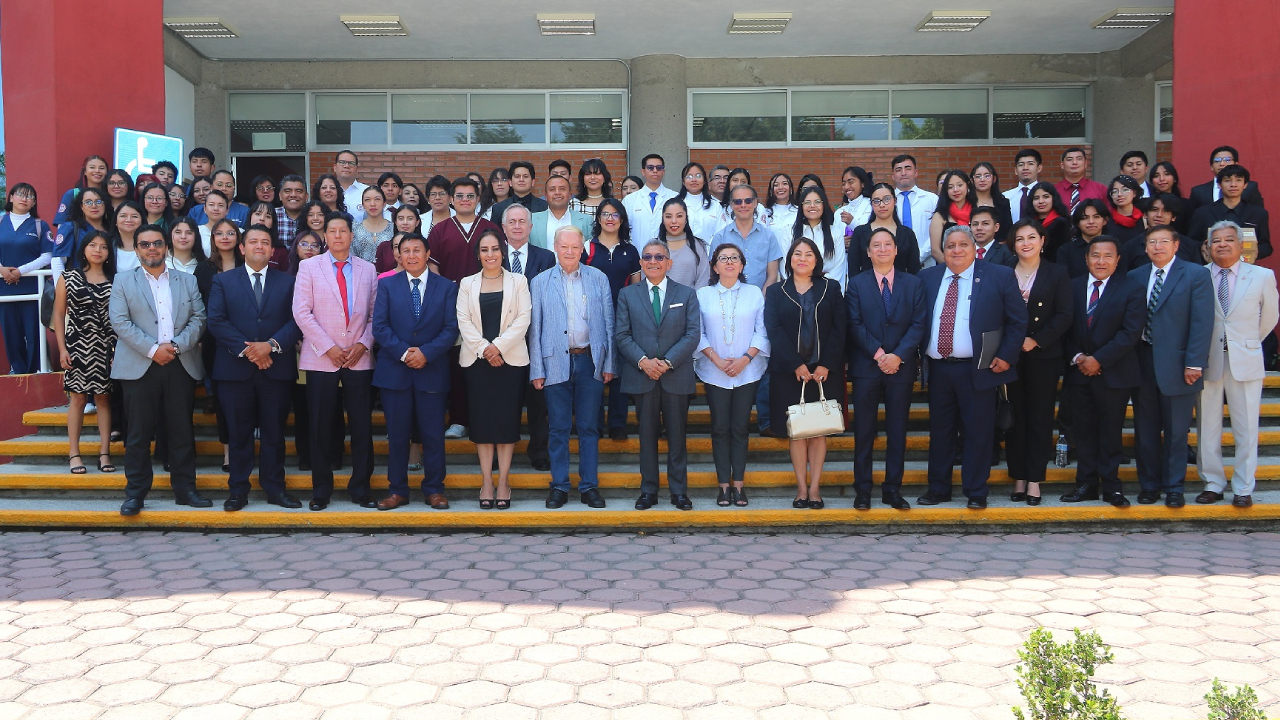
{"x": 1244, "y": 397}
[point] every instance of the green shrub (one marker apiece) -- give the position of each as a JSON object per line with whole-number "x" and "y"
{"x": 1056, "y": 680}
{"x": 1240, "y": 705}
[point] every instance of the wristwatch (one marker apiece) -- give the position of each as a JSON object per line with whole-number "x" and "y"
{"x": 275, "y": 346}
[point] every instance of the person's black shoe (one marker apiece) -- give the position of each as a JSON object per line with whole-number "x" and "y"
{"x": 304, "y": 465}
{"x": 1033, "y": 500}
{"x": 897, "y": 502}
{"x": 682, "y": 502}
{"x": 318, "y": 504}
{"x": 556, "y": 499}
{"x": 364, "y": 501}
{"x": 592, "y": 498}
{"x": 194, "y": 499}
{"x": 1080, "y": 494}
{"x": 1174, "y": 500}
{"x": 862, "y": 502}
{"x": 1191, "y": 455}
{"x": 931, "y": 499}
{"x": 618, "y": 433}
{"x": 234, "y": 503}
{"x": 1018, "y": 496}
{"x": 958, "y": 460}
{"x": 977, "y": 504}
{"x": 540, "y": 464}
{"x": 130, "y": 507}
{"x": 1116, "y": 500}
{"x": 285, "y": 501}
{"x": 166, "y": 467}
{"x": 768, "y": 432}
{"x": 646, "y": 501}
{"x": 1148, "y": 497}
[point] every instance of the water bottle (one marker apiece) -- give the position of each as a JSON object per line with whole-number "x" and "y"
{"x": 1062, "y": 450}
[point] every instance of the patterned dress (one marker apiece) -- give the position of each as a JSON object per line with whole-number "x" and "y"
{"x": 91, "y": 342}
{"x": 364, "y": 244}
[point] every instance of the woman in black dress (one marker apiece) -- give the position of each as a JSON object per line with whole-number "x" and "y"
{"x": 884, "y": 215}
{"x": 224, "y": 255}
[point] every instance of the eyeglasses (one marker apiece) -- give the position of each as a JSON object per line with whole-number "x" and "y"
{"x": 117, "y": 183}
{"x": 653, "y": 257}
{"x": 610, "y": 216}
{"x": 145, "y": 245}
{"x": 811, "y": 203}
{"x": 655, "y": 168}
{"x": 307, "y": 246}
{"x": 438, "y": 195}
{"x": 743, "y": 201}
{"x": 269, "y": 188}
{"x": 1224, "y": 159}
{"x": 719, "y": 176}
{"x": 881, "y": 202}
{"x": 465, "y": 196}
{"x": 23, "y": 196}
{"x": 91, "y": 203}
{"x": 729, "y": 259}
{"x": 1120, "y": 190}
{"x": 983, "y": 176}
{"x": 347, "y": 163}
{"x": 1159, "y": 243}
{"x": 693, "y": 176}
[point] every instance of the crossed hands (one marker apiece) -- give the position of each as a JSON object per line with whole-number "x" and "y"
{"x": 349, "y": 357}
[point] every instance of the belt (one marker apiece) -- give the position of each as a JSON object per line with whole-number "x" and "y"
{"x": 953, "y": 360}
{"x": 579, "y": 351}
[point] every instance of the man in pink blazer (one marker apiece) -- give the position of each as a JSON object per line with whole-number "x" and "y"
{"x": 333, "y": 306}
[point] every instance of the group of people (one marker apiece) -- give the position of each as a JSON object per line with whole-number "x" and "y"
{"x": 460, "y": 307}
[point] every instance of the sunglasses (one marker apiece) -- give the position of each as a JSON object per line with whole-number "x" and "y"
{"x": 148, "y": 245}
{"x": 653, "y": 257}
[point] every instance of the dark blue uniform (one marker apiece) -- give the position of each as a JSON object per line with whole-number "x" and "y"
{"x": 20, "y": 321}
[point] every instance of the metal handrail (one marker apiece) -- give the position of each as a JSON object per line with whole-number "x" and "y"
{"x": 40, "y": 276}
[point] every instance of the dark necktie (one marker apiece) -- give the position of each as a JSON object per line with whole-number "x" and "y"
{"x": 417, "y": 296}
{"x": 884, "y": 293}
{"x": 516, "y": 266}
{"x": 1075, "y": 195}
{"x": 657, "y": 307}
{"x": 257, "y": 288}
{"x": 1151, "y": 304}
{"x": 1025, "y": 205}
{"x": 947, "y": 325}
{"x": 1093, "y": 302}
{"x": 342, "y": 289}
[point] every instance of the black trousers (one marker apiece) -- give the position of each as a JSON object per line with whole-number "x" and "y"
{"x": 1097, "y": 416}
{"x": 1160, "y": 426}
{"x": 1029, "y": 443}
{"x": 302, "y": 426}
{"x": 459, "y": 411}
{"x": 164, "y": 395}
{"x": 730, "y": 429}
{"x": 324, "y": 403}
{"x": 535, "y": 403}
{"x": 651, "y": 408}
{"x": 867, "y": 395}
{"x": 260, "y": 402}
{"x": 953, "y": 402}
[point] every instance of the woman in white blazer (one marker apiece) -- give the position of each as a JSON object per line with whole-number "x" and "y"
{"x": 494, "y": 311}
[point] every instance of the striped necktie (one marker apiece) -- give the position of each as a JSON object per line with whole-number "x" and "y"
{"x": 1093, "y": 302}
{"x": 1151, "y": 304}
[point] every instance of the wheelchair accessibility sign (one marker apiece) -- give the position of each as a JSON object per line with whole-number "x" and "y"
{"x": 137, "y": 152}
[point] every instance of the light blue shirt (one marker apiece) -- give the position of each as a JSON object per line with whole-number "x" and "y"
{"x": 732, "y": 324}
{"x": 962, "y": 341}
{"x": 760, "y": 246}
{"x": 347, "y": 273}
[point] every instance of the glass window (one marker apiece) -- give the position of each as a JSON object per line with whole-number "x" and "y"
{"x": 437, "y": 119}
{"x": 268, "y": 122}
{"x": 508, "y": 118}
{"x": 834, "y": 116}
{"x": 940, "y": 114}
{"x": 740, "y": 117}
{"x": 351, "y": 119}
{"x": 1165, "y": 117}
{"x": 1038, "y": 112}
{"x": 586, "y": 118}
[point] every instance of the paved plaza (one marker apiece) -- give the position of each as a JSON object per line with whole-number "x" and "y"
{"x": 548, "y": 627}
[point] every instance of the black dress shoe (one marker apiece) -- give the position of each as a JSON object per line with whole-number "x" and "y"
{"x": 1017, "y": 496}
{"x": 800, "y": 503}
{"x": 195, "y": 500}
{"x": 617, "y": 433}
{"x": 682, "y": 502}
{"x": 1191, "y": 455}
{"x": 226, "y": 468}
{"x": 862, "y": 502}
{"x": 1033, "y": 500}
{"x": 931, "y": 499}
{"x": 1148, "y": 497}
{"x": 318, "y": 504}
{"x": 364, "y": 501}
{"x": 540, "y": 464}
{"x": 556, "y": 498}
{"x": 646, "y": 501}
{"x": 1174, "y": 500}
{"x": 132, "y": 506}
{"x": 897, "y": 502}
{"x": 234, "y": 503}
{"x": 592, "y": 498}
{"x": 1208, "y": 497}
{"x": 1116, "y": 500}
{"x": 977, "y": 504}
{"x": 285, "y": 501}
{"x": 1080, "y": 494}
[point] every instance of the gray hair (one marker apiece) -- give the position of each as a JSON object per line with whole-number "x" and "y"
{"x": 962, "y": 229}
{"x": 1225, "y": 225}
{"x": 555, "y": 240}
{"x": 515, "y": 206}
{"x": 660, "y": 243}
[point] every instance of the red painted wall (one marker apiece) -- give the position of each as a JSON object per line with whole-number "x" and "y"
{"x": 73, "y": 71}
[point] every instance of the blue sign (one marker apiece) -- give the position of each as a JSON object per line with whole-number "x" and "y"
{"x": 137, "y": 152}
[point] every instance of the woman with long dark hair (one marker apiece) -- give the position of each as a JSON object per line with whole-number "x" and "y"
{"x": 781, "y": 204}
{"x": 26, "y": 245}
{"x": 155, "y": 202}
{"x": 594, "y": 185}
{"x": 1127, "y": 220}
{"x": 225, "y": 256}
{"x": 498, "y": 189}
{"x": 404, "y": 220}
{"x": 703, "y": 209}
{"x": 884, "y": 216}
{"x": 955, "y": 205}
{"x": 119, "y": 186}
{"x": 986, "y": 190}
{"x": 816, "y": 221}
{"x": 1053, "y": 216}
{"x": 264, "y": 190}
{"x": 855, "y": 184}
{"x": 89, "y": 212}
{"x": 186, "y": 252}
{"x": 129, "y": 217}
{"x": 329, "y": 193}
{"x": 93, "y": 173}
{"x": 690, "y": 264}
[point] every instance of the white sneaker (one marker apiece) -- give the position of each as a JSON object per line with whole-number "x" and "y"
{"x": 90, "y": 409}
{"x": 455, "y": 432}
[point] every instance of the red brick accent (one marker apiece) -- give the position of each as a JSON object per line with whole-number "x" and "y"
{"x": 1164, "y": 151}
{"x": 418, "y": 167}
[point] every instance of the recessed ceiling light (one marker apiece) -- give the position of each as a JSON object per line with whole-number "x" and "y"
{"x": 196, "y": 28}
{"x": 567, "y": 23}
{"x": 1132, "y": 18}
{"x": 759, "y": 23}
{"x": 374, "y": 25}
{"x": 953, "y": 20}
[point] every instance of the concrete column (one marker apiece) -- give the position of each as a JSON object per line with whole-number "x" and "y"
{"x": 1124, "y": 111}
{"x": 659, "y": 113}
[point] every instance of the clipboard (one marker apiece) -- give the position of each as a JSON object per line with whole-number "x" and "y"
{"x": 990, "y": 346}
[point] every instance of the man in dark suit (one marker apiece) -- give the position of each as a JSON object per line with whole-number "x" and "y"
{"x": 985, "y": 226}
{"x": 966, "y": 299}
{"x": 1172, "y": 356}
{"x": 887, "y": 322}
{"x": 255, "y": 366}
{"x": 1103, "y": 370}
{"x": 1232, "y": 180}
{"x": 415, "y": 323}
{"x": 528, "y": 259}
{"x": 658, "y": 329}
{"x": 1209, "y": 193}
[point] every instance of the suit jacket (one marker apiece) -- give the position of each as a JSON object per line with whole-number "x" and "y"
{"x": 782, "y": 321}
{"x": 1049, "y": 310}
{"x": 900, "y": 332}
{"x": 538, "y": 224}
{"x": 133, "y": 316}
{"x": 434, "y": 332}
{"x": 548, "y": 332}
{"x": 235, "y": 318}
{"x": 675, "y": 337}
{"x": 1245, "y": 215}
{"x": 996, "y": 304}
{"x": 1133, "y": 252}
{"x": 1202, "y": 195}
{"x": 517, "y": 313}
{"x": 1073, "y": 255}
{"x": 537, "y": 260}
{"x": 317, "y": 308}
{"x": 1117, "y": 328}
{"x": 1251, "y": 316}
{"x": 534, "y": 203}
{"x": 1182, "y": 324}
{"x": 998, "y": 253}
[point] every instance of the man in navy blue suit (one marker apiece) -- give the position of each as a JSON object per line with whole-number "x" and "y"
{"x": 1172, "y": 356}
{"x": 968, "y": 300}
{"x": 255, "y": 366}
{"x": 887, "y": 322}
{"x": 415, "y": 323}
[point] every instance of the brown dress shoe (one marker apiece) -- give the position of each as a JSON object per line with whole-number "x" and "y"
{"x": 1208, "y": 497}
{"x": 1242, "y": 501}
{"x": 437, "y": 502}
{"x": 391, "y": 502}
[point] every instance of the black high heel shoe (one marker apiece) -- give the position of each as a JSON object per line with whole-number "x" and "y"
{"x": 740, "y": 497}
{"x": 1032, "y": 500}
{"x": 724, "y": 499}
{"x": 800, "y": 503}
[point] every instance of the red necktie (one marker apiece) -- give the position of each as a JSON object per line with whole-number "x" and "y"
{"x": 981, "y": 251}
{"x": 947, "y": 325}
{"x": 1093, "y": 303}
{"x": 342, "y": 289}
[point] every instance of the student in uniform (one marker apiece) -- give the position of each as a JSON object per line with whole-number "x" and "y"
{"x": 26, "y": 245}
{"x": 88, "y": 213}
{"x": 92, "y": 174}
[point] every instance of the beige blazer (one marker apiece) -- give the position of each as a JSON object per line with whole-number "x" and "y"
{"x": 517, "y": 312}
{"x": 1250, "y": 319}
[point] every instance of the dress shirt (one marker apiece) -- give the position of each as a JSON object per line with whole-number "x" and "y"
{"x": 644, "y": 221}
{"x": 251, "y": 272}
{"x": 1014, "y": 197}
{"x": 351, "y": 285}
{"x": 521, "y": 253}
{"x": 1232, "y": 272}
{"x": 760, "y": 246}
{"x": 1088, "y": 292}
{"x": 923, "y": 204}
{"x": 576, "y": 309}
{"x": 1151, "y": 279}
{"x": 554, "y": 224}
{"x": 1146, "y": 189}
{"x": 188, "y": 267}
{"x": 422, "y": 290}
{"x": 962, "y": 342}
{"x": 352, "y": 196}
{"x": 982, "y": 250}
{"x": 835, "y": 267}
{"x": 881, "y": 278}
{"x": 1089, "y": 190}
{"x": 662, "y": 290}
{"x": 732, "y": 324}
{"x": 163, "y": 297}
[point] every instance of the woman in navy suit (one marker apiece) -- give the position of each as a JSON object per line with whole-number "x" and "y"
{"x": 26, "y": 245}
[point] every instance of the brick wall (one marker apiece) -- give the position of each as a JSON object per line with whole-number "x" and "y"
{"x": 418, "y": 167}
{"x": 1164, "y": 151}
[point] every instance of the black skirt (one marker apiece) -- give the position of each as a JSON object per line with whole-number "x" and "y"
{"x": 494, "y": 397}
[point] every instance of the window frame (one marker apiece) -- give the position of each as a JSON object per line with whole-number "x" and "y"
{"x": 1162, "y": 136}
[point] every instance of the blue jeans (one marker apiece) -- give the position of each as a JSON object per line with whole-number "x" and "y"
{"x": 581, "y": 393}
{"x": 762, "y": 403}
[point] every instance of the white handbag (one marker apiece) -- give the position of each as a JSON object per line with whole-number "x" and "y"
{"x": 814, "y": 419}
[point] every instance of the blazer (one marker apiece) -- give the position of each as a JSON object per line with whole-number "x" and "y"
{"x": 538, "y": 224}
{"x": 517, "y": 313}
{"x": 675, "y": 337}
{"x": 995, "y": 304}
{"x": 434, "y": 332}
{"x": 1117, "y": 328}
{"x": 1073, "y": 255}
{"x": 782, "y": 322}
{"x": 317, "y": 308}
{"x": 548, "y": 331}
{"x": 235, "y": 318}
{"x": 899, "y": 332}
{"x": 133, "y": 316}
{"x": 1182, "y": 324}
{"x": 1250, "y": 318}
{"x": 998, "y": 253}
{"x": 1133, "y": 252}
{"x": 1049, "y": 310}
{"x": 1245, "y": 215}
{"x": 1202, "y": 195}
{"x": 908, "y": 259}
{"x": 539, "y": 260}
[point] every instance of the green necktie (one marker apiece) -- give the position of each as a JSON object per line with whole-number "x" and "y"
{"x": 657, "y": 307}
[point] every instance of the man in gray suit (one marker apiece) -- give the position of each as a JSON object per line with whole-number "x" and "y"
{"x": 571, "y": 358}
{"x": 158, "y": 316}
{"x": 659, "y": 328}
{"x": 1171, "y": 357}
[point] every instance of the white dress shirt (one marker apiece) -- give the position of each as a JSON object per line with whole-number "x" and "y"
{"x": 1014, "y": 197}
{"x": 835, "y": 267}
{"x": 1151, "y": 278}
{"x": 554, "y": 224}
{"x": 732, "y": 324}
{"x": 522, "y": 253}
{"x": 923, "y": 203}
{"x": 1088, "y": 293}
{"x": 962, "y": 341}
{"x": 163, "y": 297}
{"x": 644, "y": 221}
{"x": 353, "y": 198}
{"x": 422, "y": 292}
